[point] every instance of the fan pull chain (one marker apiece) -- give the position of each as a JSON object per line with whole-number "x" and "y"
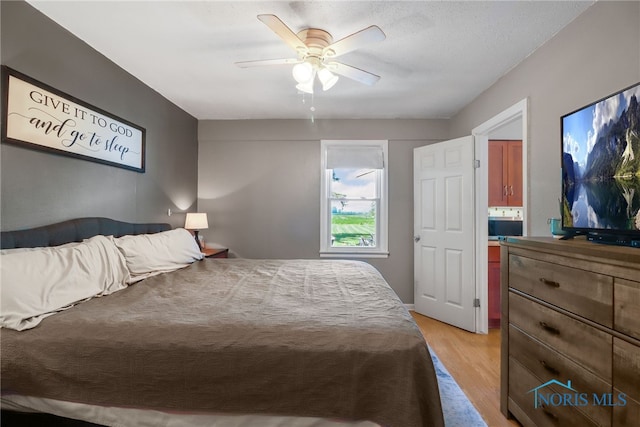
{"x": 313, "y": 109}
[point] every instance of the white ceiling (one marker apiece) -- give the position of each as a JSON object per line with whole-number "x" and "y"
{"x": 437, "y": 57}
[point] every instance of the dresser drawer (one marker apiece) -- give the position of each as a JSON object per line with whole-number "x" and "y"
{"x": 578, "y": 341}
{"x": 571, "y": 313}
{"x": 627, "y": 415}
{"x": 546, "y": 364}
{"x": 626, "y": 307}
{"x": 584, "y": 293}
{"x": 626, "y": 368}
{"x": 521, "y": 384}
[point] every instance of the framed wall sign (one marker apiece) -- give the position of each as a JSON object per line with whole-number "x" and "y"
{"x": 41, "y": 117}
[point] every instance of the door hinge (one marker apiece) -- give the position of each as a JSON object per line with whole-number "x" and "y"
{"x": 476, "y": 302}
{"x": 476, "y": 164}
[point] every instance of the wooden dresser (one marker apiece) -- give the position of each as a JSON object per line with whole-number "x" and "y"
{"x": 570, "y": 330}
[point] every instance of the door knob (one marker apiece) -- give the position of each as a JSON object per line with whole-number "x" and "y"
{"x": 416, "y": 239}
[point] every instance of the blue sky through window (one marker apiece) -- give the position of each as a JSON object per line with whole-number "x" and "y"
{"x": 354, "y": 183}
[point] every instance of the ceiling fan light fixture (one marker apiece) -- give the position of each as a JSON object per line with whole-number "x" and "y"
{"x": 327, "y": 78}
{"x": 303, "y": 72}
{"x": 308, "y": 85}
{"x": 305, "y": 87}
{"x": 314, "y": 46}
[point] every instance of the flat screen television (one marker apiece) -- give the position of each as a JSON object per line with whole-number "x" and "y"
{"x": 601, "y": 169}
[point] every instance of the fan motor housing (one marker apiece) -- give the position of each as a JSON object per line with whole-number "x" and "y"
{"x": 316, "y": 40}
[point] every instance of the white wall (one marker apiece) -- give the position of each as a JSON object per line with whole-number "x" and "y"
{"x": 510, "y": 131}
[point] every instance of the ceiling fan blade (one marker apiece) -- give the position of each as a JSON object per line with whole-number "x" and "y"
{"x": 285, "y": 33}
{"x": 262, "y": 62}
{"x": 353, "y": 73}
{"x": 354, "y": 41}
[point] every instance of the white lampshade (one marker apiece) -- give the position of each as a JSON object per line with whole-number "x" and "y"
{"x": 303, "y": 72}
{"x": 307, "y": 86}
{"x": 327, "y": 78}
{"x": 196, "y": 221}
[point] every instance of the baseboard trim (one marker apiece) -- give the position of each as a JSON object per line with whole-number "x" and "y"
{"x": 410, "y": 307}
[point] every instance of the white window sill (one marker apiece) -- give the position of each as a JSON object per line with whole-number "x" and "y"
{"x": 354, "y": 254}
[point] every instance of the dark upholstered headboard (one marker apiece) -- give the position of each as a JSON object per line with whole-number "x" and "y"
{"x": 74, "y": 230}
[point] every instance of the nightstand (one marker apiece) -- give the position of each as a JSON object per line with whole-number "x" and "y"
{"x": 216, "y": 252}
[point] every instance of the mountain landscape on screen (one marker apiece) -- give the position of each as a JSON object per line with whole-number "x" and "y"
{"x": 617, "y": 149}
{"x": 601, "y": 164}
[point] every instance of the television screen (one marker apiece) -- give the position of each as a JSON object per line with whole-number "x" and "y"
{"x": 601, "y": 166}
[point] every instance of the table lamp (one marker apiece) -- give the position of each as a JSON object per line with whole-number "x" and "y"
{"x": 196, "y": 222}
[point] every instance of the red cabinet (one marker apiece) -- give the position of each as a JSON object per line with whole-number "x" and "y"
{"x": 494, "y": 287}
{"x": 505, "y": 173}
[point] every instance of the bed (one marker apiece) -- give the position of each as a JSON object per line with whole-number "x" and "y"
{"x": 259, "y": 342}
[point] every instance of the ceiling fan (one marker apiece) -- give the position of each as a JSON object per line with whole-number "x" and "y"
{"x": 316, "y": 52}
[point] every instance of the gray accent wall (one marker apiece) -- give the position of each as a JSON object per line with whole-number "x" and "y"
{"x": 595, "y": 55}
{"x": 39, "y": 188}
{"x": 259, "y": 181}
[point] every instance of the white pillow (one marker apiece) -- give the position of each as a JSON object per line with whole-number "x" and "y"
{"x": 151, "y": 254}
{"x": 16, "y": 250}
{"x": 37, "y": 283}
{"x": 37, "y": 248}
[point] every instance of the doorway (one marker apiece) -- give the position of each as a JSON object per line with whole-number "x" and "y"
{"x": 513, "y": 117}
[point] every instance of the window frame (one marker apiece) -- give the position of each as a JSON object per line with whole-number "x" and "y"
{"x": 381, "y": 249}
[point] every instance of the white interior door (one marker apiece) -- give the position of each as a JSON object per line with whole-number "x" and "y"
{"x": 444, "y": 234}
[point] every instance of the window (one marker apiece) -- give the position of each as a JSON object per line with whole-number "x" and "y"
{"x": 353, "y": 199}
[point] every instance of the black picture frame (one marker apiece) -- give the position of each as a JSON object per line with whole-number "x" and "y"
{"x": 41, "y": 117}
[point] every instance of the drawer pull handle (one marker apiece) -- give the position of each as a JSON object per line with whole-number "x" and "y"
{"x": 551, "y": 283}
{"x": 549, "y": 414}
{"x": 550, "y": 329}
{"x": 549, "y": 368}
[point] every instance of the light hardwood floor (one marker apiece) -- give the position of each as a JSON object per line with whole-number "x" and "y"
{"x": 473, "y": 360}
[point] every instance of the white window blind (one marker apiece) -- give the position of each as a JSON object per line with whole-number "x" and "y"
{"x": 355, "y": 157}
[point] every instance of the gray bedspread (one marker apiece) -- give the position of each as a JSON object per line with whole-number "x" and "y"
{"x": 289, "y": 337}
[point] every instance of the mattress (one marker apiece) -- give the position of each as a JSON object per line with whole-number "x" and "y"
{"x": 297, "y": 338}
